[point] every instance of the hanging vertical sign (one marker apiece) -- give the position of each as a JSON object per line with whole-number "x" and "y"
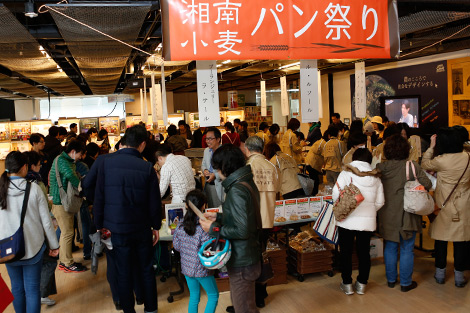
{"x": 164, "y": 107}
{"x": 360, "y": 96}
{"x": 159, "y": 105}
{"x": 284, "y": 97}
{"x": 263, "y": 98}
{"x": 153, "y": 98}
{"x": 208, "y": 93}
{"x": 141, "y": 104}
{"x": 145, "y": 114}
{"x": 309, "y": 91}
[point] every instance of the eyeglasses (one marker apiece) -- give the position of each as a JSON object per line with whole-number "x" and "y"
{"x": 210, "y": 138}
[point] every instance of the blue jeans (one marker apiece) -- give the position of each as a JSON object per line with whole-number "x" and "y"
{"x": 406, "y": 260}
{"x": 25, "y": 286}
{"x": 209, "y": 285}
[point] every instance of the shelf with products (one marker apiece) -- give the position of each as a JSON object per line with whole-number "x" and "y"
{"x": 5, "y": 148}
{"x": 20, "y": 131}
{"x": 253, "y": 117}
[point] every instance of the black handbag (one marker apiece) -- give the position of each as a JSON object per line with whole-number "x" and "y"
{"x": 267, "y": 272}
{"x": 13, "y": 248}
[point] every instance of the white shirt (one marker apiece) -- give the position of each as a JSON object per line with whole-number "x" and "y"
{"x": 177, "y": 172}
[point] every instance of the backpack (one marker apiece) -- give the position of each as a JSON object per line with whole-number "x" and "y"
{"x": 70, "y": 199}
{"x": 416, "y": 200}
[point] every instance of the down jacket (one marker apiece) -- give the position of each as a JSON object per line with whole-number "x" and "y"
{"x": 67, "y": 172}
{"x": 363, "y": 218}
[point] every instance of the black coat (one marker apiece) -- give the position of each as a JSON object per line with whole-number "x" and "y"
{"x": 127, "y": 194}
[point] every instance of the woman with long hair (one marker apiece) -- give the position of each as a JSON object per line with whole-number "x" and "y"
{"x": 446, "y": 157}
{"x": 25, "y": 274}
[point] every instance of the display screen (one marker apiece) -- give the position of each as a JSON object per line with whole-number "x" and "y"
{"x": 402, "y": 109}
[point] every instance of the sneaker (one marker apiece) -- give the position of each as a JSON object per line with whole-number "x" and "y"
{"x": 73, "y": 268}
{"x": 412, "y": 286}
{"x": 360, "y": 288}
{"x": 48, "y": 301}
{"x": 347, "y": 288}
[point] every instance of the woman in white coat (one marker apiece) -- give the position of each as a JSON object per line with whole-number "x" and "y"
{"x": 25, "y": 274}
{"x": 361, "y": 222}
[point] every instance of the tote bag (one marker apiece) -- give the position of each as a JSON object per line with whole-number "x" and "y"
{"x": 325, "y": 225}
{"x": 416, "y": 198}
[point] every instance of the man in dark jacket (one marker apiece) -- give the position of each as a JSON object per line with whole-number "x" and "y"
{"x": 52, "y": 149}
{"x": 238, "y": 223}
{"x": 127, "y": 203}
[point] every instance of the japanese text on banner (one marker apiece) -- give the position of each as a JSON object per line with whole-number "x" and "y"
{"x": 360, "y": 96}
{"x": 207, "y": 93}
{"x": 309, "y": 91}
{"x": 283, "y": 29}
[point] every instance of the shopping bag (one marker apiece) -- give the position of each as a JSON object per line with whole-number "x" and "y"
{"x": 325, "y": 225}
{"x": 416, "y": 198}
{"x": 5, "y": 295}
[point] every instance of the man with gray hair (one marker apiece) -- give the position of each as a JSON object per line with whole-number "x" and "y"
{"x": 266, "y": 177}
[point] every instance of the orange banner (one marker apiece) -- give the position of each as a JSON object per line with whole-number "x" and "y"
{"x": 281, "y": 29}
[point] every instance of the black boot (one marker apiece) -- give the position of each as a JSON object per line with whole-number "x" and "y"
{"x": 260, "y": 295}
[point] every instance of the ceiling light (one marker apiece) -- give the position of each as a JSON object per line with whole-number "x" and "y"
{"x": 29, "y": 9}
{"x": 289, "y": 65}
{"x": 219, "y": 65}
{"x": 226, "y": 61}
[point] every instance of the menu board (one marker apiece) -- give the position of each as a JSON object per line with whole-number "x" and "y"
{"x": 4, "y": 132}
{"x": 87, "y": 123}
{"x": 20, "y": 130}
{"x": 41, "y": 127}
{"x": 111, "y": 124}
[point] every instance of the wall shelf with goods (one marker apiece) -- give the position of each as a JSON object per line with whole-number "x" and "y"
{"x": 14, "y": 136}
{"x": 254, "y": 119}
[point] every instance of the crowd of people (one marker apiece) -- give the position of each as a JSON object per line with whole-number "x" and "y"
{"x": 244, "y": 175}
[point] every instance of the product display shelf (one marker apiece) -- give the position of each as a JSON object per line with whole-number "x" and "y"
{"x": 302, "y": 263}
{"x": 65, "y": 122}
{"x": 278, "y": 259}
{"x": 253, "y": 117}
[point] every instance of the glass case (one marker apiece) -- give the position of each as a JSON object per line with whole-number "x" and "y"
{"x": 41, "y": 127}
{"x": 20, "y": 130}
